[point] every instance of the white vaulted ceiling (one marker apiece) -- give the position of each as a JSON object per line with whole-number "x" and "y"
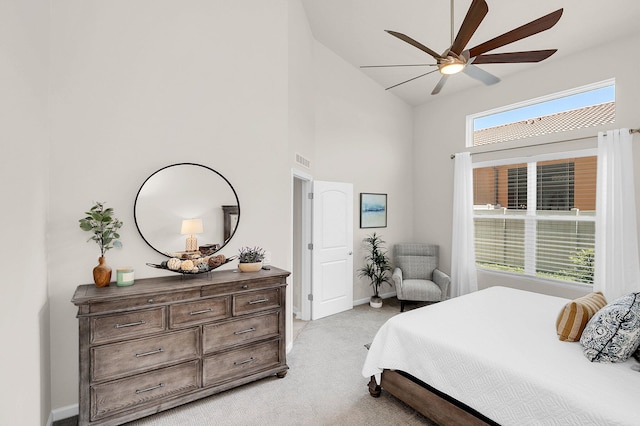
{"x": 354, "y": 29}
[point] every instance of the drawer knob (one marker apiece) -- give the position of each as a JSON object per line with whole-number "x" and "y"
{"x": 139, "y": 391}
{"x": 204, "y": 311}
{"x": 245, "y": 361}
{"x": 244, "y": 287}
{"x": 244, "y": 331}
{"x": 131, "y": 324}
{"x": 157, "y": 351}
{"x": 253, "y": 302}
{"x": 150, "y": 301}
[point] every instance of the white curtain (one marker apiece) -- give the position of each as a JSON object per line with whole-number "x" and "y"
{"x": 617, "y": 271}
{"x": 463, "y": 254}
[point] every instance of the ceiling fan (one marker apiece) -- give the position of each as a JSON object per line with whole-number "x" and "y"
{"x": 458, "y": 59}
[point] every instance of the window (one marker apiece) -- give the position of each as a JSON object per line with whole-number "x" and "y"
{"x": 537, "y": 217}
{"x": 555, "y": 187}
{"x": 582, "y": 107}
{"x": 517, "y": 188}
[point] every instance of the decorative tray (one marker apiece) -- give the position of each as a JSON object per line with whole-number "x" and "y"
{"x": 198, "y": 266}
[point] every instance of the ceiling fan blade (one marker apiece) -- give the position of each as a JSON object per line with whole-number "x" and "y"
{"x": 533, "y": 27}
{"x": 480, "y": 75}
{"x": 411, "y": 79}
{"x": 399, "y": 65}
{"x": 515, "y": 57}
{"x": 476, "y": 13}
{"x": 414, "y": 43}
{"x": 440, "y": 84}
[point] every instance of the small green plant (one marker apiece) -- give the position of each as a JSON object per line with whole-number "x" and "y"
{"x": 250, "y": 254}
{"x": 377, "y": 265}
{"x": 582, "y": 271}
{"x": 584, "y": 266}
{"x": 104, "y": 226}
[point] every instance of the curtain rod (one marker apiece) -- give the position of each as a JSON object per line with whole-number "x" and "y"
{"x": 538, "y": 144}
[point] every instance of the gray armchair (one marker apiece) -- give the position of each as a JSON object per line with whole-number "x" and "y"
{"x": 416, "y": 276}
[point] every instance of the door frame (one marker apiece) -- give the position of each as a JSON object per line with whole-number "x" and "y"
{"x": 305, "y": 239}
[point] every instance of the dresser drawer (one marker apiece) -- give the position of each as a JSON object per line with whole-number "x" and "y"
{"x": 220, "y": 336}
{"x": 119, "y": 395}
{"x": 132, "y": 324}
{"x": 240, "y": 362}
{"x": 254, "y": 284}
{"x": 141, "y": 302}
{"x": 184, "y": 314}
{"x": 256, "y": 301}
{"x": 119, "y": 359}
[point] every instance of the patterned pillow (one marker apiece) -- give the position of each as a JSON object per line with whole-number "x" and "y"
{"x": 575, "y": 315}
{"x": 613, "y": 333}
{"x": 416, "y": 267}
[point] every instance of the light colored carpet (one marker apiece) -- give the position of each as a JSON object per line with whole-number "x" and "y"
{"x": 324, "y": 385}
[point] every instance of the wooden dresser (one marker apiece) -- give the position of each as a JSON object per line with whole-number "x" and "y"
{"x": 167, "y": 341}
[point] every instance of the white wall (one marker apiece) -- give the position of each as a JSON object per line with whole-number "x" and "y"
{"x": 24, "y": 311}
{"x": 364, "y": 136}
{"x": 352, "y": 131}
{"x": 301, "y": 137}
{"x": 136, "y": 86}
{"x": 440, "y": 131}
{"x": 301, "y": 85}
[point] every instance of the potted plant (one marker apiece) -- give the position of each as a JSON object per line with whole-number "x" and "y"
{"x": 376, "y": 267}
{"x": 250, "y": 259}
{"x": 100, "y": 221}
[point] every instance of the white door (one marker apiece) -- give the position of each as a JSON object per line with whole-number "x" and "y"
{"x": 332, "y": 252}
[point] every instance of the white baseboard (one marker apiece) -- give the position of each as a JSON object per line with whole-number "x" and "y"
{"x": 62, "y": 413}
{"x": 366, "y": 300}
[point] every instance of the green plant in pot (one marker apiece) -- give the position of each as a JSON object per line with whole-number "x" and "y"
{"x": 376, "y": 266}
{"x": 104, "y": 226}
{"x": 250, "y": 259}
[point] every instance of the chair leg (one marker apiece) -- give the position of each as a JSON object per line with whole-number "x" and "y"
{"x": 402, "y": 306}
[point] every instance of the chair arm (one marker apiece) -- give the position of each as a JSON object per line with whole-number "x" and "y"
{"x": 442, "y": 280}
{"x": 397, "y": 281}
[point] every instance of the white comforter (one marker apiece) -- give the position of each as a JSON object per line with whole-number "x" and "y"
{"x": 497, "y": 351}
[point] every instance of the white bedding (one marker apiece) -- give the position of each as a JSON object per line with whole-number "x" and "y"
{"x": 497, "y": 351}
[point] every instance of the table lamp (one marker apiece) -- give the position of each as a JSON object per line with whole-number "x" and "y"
{"x": 191, "y": 227}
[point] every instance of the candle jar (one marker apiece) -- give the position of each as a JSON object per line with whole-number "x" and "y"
{"x": 124, "y": 277}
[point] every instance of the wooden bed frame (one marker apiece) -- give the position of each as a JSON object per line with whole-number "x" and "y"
{"x": 428, "y": 401}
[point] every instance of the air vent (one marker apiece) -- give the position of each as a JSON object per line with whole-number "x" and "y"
{"x": 302, "y": 160}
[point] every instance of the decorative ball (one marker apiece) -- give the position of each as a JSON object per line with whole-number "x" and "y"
{"x": 203, "y": 267}
{"x": 186, "y": 265}
{"x": 163, "y": 264}
{"x": 174, "y": 263}
{"x": 213, "y": 262}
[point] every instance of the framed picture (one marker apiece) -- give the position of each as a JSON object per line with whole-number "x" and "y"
{"x": 373, "y": 210}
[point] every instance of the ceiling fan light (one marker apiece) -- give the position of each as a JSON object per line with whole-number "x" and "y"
{"x": 452, "y": 68}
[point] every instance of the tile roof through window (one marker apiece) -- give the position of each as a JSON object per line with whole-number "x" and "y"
{"x": 593, "y": 115}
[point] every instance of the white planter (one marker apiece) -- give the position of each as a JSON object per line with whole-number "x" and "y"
{"x": 375, "y": 302}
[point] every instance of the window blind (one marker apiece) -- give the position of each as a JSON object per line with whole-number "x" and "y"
{"x": 537, "y": 218}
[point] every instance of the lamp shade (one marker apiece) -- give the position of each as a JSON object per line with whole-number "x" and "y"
{"x": 192, "y": 226}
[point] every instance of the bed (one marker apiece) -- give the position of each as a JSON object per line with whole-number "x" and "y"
{"x": 493, "y": 357}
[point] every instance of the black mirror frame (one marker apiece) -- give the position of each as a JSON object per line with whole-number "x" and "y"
{"x": 231, "y": 232}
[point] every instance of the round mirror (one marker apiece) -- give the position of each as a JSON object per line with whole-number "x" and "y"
{"x": 185, "y": 207}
